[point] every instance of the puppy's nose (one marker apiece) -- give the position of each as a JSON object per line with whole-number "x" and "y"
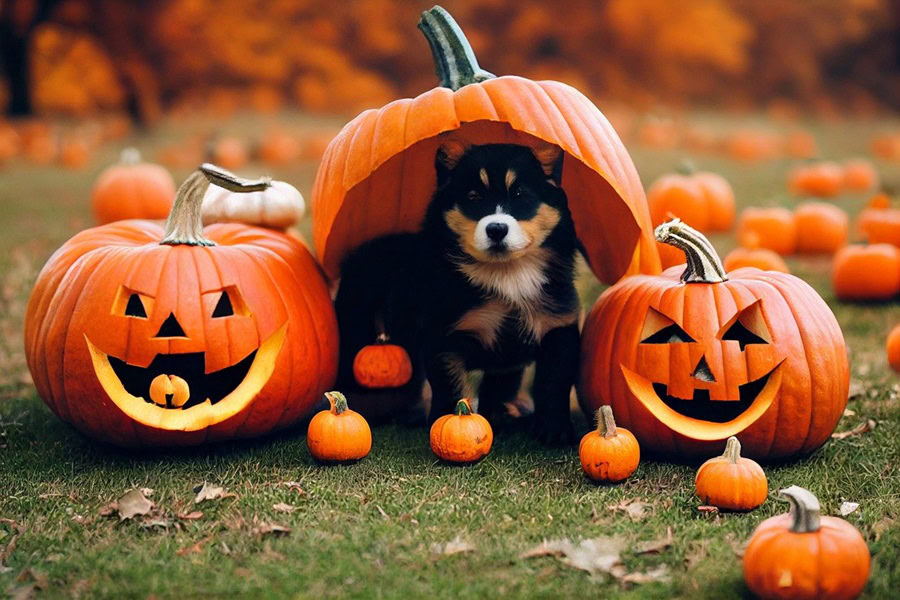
{"x": 496, "y": 231}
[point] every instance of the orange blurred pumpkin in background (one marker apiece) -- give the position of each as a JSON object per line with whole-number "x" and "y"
{"x": 878, "y": 223}
{"x": 866, "y": 272}
{"x": 821, "y": 227}
{"x": 822, "y": 179}
{"x": 771, "y": 228}
{"x": 860, "y": 175}
{"x": 132, "y": 189}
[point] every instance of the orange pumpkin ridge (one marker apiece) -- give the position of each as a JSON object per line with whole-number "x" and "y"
{"x": 806, "y": 556}
{"x": 388, "y": 154}
{"x": 608, "y": 453}
{"x": 462, "y": 437}
{"x": 730, "y": 481}
{"x": 338, "y": 434}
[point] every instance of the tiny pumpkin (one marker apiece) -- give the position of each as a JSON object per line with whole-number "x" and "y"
{"x": 382, "y": 365}
{"x": 462, "y": 437}
{"x": 860, "y": 175}
{"x": 821, "y": 227}
{"x": 771, "y": 228}
{"x": 230, "y": 152}
{"x": 702, "y": 199}
{"x": 878, "y": 223}
{"x": 823, "y": 179}
{"x": 730, "y": 481}
{"x": 866, "y": 272}
{"x": 608, "y": 453}
{"x": 278, "y": 205}
{"x": 802, "y": 555}
{"x": 132, "y": 189}
{"x": 278, "y": 148}
{"x": 753, "y": 256}
{"x": 338, "y": 434}
{"x": 893, "y": 348}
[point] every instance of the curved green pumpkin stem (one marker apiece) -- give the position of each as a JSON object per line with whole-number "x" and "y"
{"x": 703, "y": 263}
{"x": 337, "y": 400}
{"x": 463, "y": 407}
{"x": 732, "y": 450}
{"x": 453, "y": 56}
{"x": 185, "y": 222}
{"x": 805, "y": 509}
{"x": 606, "y": 424}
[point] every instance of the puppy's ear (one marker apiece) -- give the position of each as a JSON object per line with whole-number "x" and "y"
{"x": 551, "y": 158}
{"x": 447, "y": 157}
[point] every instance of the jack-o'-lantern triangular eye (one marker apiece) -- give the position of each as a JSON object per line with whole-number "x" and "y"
{"x": 660, "y": 329}
{"x": 223, "y": 306}
{"x": 747, "y": 327}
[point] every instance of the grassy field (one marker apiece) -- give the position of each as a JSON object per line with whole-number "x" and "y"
{"x": 399, "y": 523}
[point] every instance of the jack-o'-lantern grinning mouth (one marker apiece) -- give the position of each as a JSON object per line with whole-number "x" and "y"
{"x": 205, "y": 399}
{"x": 191, "y": 367}
{"x": 715, "y": 411}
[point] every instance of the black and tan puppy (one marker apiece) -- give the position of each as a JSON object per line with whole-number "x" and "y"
{"x": 487, "y": 284}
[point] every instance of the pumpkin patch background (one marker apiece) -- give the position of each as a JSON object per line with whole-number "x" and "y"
{"x": 262, "y": 88}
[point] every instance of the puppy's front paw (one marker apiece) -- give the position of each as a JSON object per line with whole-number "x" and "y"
{"x": 556, "y": 431}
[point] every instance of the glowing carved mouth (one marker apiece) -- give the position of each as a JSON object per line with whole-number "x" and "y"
{"x": 214, "y": 397}
{"x": 701, "y": 418}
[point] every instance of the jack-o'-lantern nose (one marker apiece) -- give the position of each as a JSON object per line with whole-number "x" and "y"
{"x": 170, "y": 328}
{"x": 703, "y": 372}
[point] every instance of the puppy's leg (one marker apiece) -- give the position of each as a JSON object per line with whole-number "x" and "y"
{"x": 447, "y": 375}
{"x": 496, "y": 389}
{"x": 555, "y": 372}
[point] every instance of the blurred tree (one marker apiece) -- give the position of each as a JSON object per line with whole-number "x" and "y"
{"x": 18, "y": 21}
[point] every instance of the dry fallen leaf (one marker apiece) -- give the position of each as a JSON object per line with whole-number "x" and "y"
{"x": 708, "y": 510}
{"x": 593, "y": 555}
{"x": 207, "y": 491}
{"x": 849, "y": 413}
{"x": 636, "y": 509}
{"x": 660, "y": 573}
{"x": 283, "y": 508}
{"x": 194, "y": 548}
{"x": 848, "y": 507}
{"x": 856, "y": 390}
{"x": 860, "y": 429}
{"x": 455, "y": 546}
{"x": 263, "y": 528}
{"x": 133, "y": 504}
{"x": 191, "y": 516}
{"x": 654, "y": 546}
{"x": 547, "y": 548}
{"x": 294, "y": 485}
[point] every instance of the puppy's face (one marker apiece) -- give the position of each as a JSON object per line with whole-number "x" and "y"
{"x": 501, "y": 200}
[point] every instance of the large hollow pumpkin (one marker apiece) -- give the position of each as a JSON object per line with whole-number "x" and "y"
{"x": 377, "y": 176}
{"x": 693, "y": 356}
{"x": 142, "y": 335}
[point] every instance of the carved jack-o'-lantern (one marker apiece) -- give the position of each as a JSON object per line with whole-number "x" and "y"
{"x": 688, "y": 359}
{"x": 139, "y": 335}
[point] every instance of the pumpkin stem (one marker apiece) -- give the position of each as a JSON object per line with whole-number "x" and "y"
{"x": 606, "y": 424}
{"x": 463, "y": 407}
{"x": 805, "y": 509}
{"x": 453, "y": 56}
{"x": 130, "y": 156}
{"x": 337, "y": 400}
{"x": 703, "y": 263}
{"x": 382, "y": 338}
{"x": 185, "y": 222}
{"x": 687, "y": 167}
{"x": 732, "y": 450}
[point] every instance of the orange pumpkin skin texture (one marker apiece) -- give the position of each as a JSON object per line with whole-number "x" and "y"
{"x": 82, "y": 314}
{"x": 824, "y": 179}
{"x": 860, "y": 175}
{"x": 462, "y": 437}
{"x": 771, "y": 228}
{"x": 759, "y": 258}
{"x": 731, "y": 482}
{"x": 719, "y": 200}
{"x": 382, "y": 365}
{"x": 796, "y": 356}
{"x": 821, "y": 227}
{"x": 878, "y": 223}
{"x": 680, "y": 196}
{"x": 388, "y": 154}
{"x": 866, "y": 272}
{"x": 608, "y": 453}
{"x": 132, "y": 190}
{"x": 893, "y": 348}
{"x": 338, "y": 434}
{"x": 804, "y": 556}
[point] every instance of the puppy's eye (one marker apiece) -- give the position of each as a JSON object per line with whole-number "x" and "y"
{"x": 473, "y": 195}
{"x": 517, "y": 192}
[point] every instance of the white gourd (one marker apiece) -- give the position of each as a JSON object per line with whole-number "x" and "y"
{"x": 279, "y": 206}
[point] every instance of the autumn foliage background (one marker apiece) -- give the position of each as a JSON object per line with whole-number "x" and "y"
{"x": 79, "y": 57}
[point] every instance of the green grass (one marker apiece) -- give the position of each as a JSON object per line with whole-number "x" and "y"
{"x": 368, "y": 530}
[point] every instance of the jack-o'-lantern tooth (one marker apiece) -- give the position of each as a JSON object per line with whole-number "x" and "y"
{"x": 160, "y": 388}
{"x": 181, "y": 393}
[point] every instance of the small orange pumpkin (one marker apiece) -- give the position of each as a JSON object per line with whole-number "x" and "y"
{"x": 800, "y": 144}
{"x": 74, "y": 153}
{"x": 608, "y": 453}
{"x": 338, "y": 434}
{"x": 893, "y": 348}
{"x": 230, "y": 152}
{"x": 824, "y": 179}
{"x": 802, "y": 555}
{"x": 878, "y": 223}
{"x": 730, "y": 481}
{"x": 382, "y": 365}
{"x": 462, "y": 437}
{"x": 752, "y": 256}
{"x": 866, "y": 272}
{"x": 701, "y": 199}
{"x": 860, "y": 175}
{"x": 132, "y": 189}
{"x": 771, "y": 228}
{"x": 821, "y": 227}
{"x": 278, "y": 148}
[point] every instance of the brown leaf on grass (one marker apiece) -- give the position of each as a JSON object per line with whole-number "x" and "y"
{"x": 191, "y": 516}
{"x": 18, "y": 530}
{"x": 636, "y": 509}
{"x": 208, "y": 491}
{"x": 160, "y": 522}
{"x": 294, "y": 485}
{"x": 133, "y": 503}
{"x": 283, "y": 507}
{"x": 547, "y": 548}
{"x": 708, "y": 510}
{"x": 38, "y": 578}
{"x": 263, "y": 528}
{"x": 860, "y": 429}
{"x": 194, "y": 548}
{"x": 856, "y": 390}
{"x": 660, "y": 573}
{"x": 455, "y": 546}
{"x": 881, "y": 526}
{"x": 849, "y": 413}
{"x": 595, "y": 555}
{"x": 654, "y": 546}
{"x": 848, "y": 507}
{"x": 109, "y": 510}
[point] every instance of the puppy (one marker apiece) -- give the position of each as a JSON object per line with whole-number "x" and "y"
{"x": 487, "y": 284}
